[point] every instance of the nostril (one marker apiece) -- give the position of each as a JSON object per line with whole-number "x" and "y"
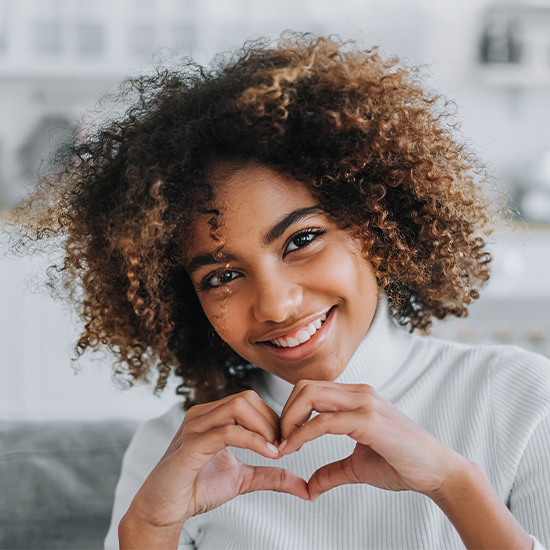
{"x": 277, "y": 303}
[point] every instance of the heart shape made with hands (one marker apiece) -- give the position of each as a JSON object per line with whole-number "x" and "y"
{"x": 356, "y": 411}
{"x": 199, "y": 472}
{"x": 391, "y": 451}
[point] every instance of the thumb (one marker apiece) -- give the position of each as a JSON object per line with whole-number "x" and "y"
{"x": 329, "y": 476}
{"x": 267, "y": 478}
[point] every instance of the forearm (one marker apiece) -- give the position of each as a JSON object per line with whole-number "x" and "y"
{"x": 134, "y": 534}
{"x": 474, "y": 508}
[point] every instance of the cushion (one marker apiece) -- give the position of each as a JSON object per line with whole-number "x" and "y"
{"x": 57, "y": 482}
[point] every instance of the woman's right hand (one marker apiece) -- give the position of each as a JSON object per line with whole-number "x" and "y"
{"x": 198, "y": 473}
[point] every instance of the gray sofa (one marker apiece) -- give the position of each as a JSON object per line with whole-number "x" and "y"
{"x": 57, "y": 482}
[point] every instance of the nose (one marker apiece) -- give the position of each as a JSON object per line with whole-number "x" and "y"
{"x": 276, "y": 299}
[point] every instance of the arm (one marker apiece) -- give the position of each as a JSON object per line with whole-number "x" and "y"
{"x": 198, "y": 472}
{"x": 394, "y": 453}
{"x": 135, "y": 533}
{"x": 530, "y": 495}
{"x": 482, "y": 520}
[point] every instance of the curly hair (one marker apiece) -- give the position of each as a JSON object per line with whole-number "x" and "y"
{"x": 375, "y": 149}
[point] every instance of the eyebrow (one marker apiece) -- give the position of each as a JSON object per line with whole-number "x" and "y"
{"x": 280, "y": 227}
{"x": 210, "y": 258}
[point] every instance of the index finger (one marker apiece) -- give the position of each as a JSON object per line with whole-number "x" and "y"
{"x": 322, "y": 397}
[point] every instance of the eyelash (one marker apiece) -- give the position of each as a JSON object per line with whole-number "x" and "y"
{"x": 315, "y": 231}
{"x": 206, "y": 282}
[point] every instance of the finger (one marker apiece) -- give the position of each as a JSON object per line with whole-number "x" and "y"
{"x": 239, "y": 412}
{"x": 300, "y": 385}
{"x": 236, "y": 409}
{"x": 329, "y": 476}
{"x": 271, "y": 416}
{"x": 322, "y": 398}
{"x": 255, "y": 400}
{"x": 345, "y": 423}
{"x": 205, "y": 408}
{"x": 230, "y": 435}
{"x": 263, "y": 478}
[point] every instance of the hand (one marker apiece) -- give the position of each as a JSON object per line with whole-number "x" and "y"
{"x": 392, "y": 452}
{"x": 198, "y": 473}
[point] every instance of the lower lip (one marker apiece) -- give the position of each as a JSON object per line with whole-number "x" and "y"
{"x": 308, "y": 347}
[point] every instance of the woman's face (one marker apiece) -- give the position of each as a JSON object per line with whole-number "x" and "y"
{"x": 290, "y": 291}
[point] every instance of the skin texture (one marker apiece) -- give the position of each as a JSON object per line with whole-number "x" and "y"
{"x": 276, "y": 290}
{"x": 273, "y": 288}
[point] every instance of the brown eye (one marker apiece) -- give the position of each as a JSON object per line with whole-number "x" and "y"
{"x": 225, "y": 277}
{"x": 218, "y": 279}
{"x": 301, "y": 240}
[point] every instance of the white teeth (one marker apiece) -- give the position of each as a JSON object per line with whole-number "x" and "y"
{"x": 302, "y": 336}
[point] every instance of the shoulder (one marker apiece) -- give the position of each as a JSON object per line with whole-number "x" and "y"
{"x": 510, "y": 383}
{"x": 520, "y": 393}
{"x": 505, "y": 368}
{"x": 523, "y": 372}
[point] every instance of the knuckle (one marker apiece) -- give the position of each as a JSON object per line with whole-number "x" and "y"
{"x": 188, "y": 425}
{"x": 193, "y": 412}
{"x": 301, "y": 384}
{"x": 367, "y": 390}
{"x": 239, "y": 403}
{"x": 249, "y": 395}
{"x": 309, "y": 389}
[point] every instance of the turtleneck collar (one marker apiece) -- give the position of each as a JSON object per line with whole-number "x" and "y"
{"x": 375, "y": 362}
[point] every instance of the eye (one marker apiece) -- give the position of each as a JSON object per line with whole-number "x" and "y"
{"x": 303, "y": 239}
{"x": 216, "y": 280}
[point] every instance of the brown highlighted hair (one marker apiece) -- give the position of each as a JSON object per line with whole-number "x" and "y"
{"x": 374, "y": 148}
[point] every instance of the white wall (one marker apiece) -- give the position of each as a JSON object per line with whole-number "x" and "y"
{"x": 38, "y": 379}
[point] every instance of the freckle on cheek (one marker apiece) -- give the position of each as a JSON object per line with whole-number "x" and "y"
{"x": 219, "y": 323}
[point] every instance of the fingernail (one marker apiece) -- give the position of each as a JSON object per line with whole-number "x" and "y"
{"x": 282, "y": 445}
{"x": 272, "y": 448}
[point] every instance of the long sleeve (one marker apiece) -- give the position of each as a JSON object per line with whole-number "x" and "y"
{"x": 530, "y": 497}
{"x": 143, "y": 454}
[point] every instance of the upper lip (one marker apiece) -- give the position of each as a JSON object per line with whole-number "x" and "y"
{"x": 303, "y": 322}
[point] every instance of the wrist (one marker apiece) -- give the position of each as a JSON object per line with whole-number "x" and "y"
{"x": 460, "y": 479}
{"x": 476, "y": 511}
{"x": 136, "y": 532}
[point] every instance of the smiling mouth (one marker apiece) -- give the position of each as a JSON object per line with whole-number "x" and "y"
{"x": 300, "y": 336}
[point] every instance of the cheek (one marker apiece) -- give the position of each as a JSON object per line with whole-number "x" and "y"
{"x": 359, "y": 283}
{"x": 354, "y": 271}
{"x": 224, "y": 317}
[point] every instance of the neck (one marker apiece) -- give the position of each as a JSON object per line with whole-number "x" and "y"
{"x": 375, "y": 362}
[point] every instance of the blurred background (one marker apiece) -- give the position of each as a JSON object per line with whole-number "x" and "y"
{"x": 58, "y": 56}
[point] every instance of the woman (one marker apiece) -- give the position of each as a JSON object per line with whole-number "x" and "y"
{"x": 263, "y": 225}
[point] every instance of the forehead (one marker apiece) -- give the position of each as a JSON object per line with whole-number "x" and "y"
{"x": 250, "y": 200}
{"x": 255, "y": 185}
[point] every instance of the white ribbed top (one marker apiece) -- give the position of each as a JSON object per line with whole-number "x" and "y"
{"x": 489, "y": 403}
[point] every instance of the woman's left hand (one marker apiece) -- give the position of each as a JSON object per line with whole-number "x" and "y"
{"x": 392, "y": 451}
